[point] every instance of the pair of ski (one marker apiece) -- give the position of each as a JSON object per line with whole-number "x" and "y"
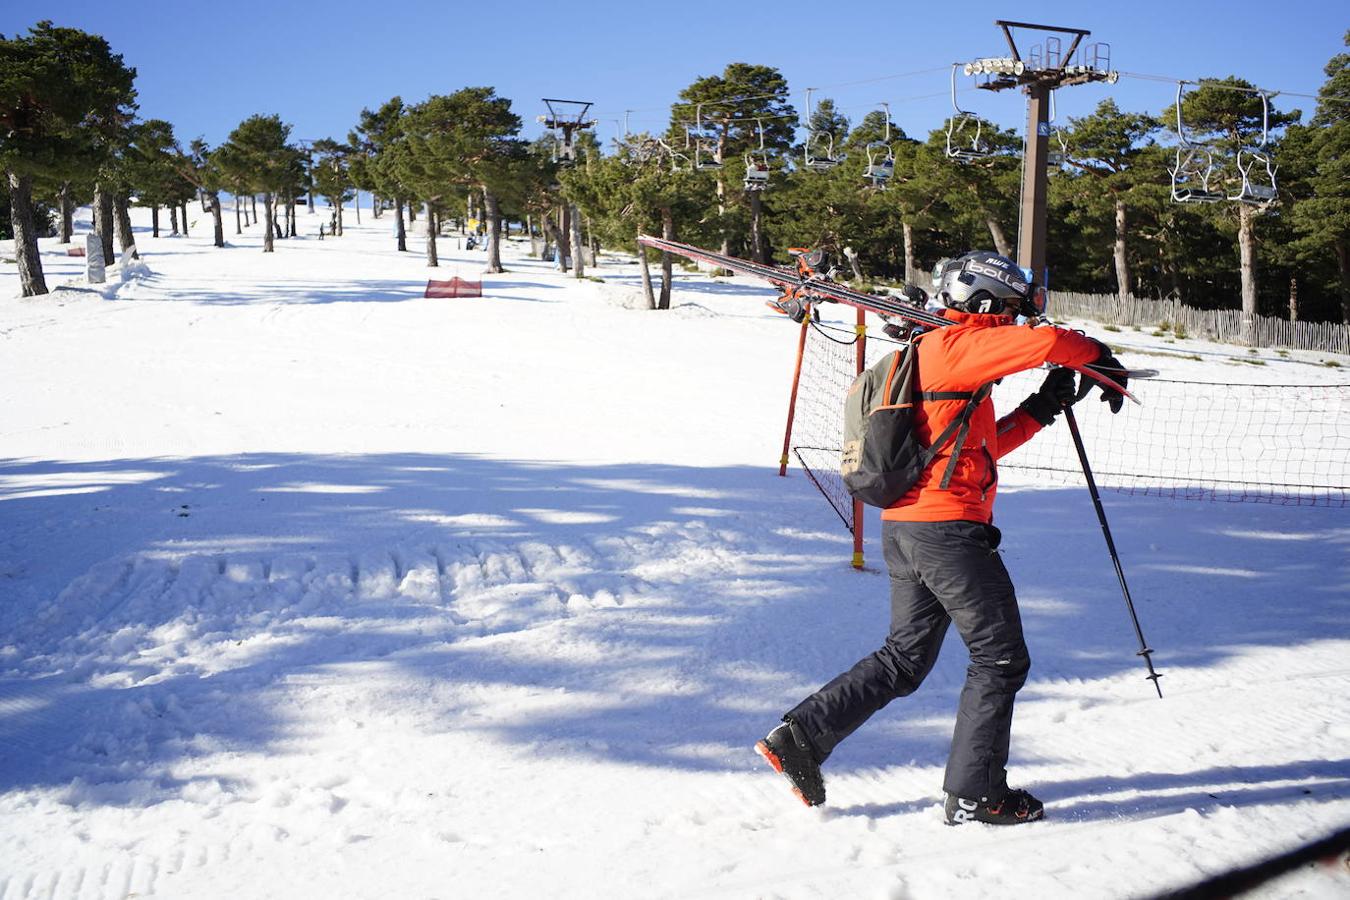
{"x": 805, "y": 284}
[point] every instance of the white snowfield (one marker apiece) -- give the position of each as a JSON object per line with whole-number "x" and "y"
{"x": 314, "y": 588}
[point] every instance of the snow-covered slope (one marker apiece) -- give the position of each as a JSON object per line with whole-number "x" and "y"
{"x": 311, "y": 587}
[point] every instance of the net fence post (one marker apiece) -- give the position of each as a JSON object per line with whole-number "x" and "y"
{"x": 861, "y": 329}
{"x": 792, "y": 398}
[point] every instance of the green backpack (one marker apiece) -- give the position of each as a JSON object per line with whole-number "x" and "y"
{"x": 882, "y": 457}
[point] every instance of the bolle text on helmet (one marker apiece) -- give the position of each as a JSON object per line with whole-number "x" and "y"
{"x": 1013, "y": 281}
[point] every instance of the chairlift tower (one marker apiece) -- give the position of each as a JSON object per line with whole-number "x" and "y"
{"x": 1045, "y": 67}
{"x": 565, "y": 118}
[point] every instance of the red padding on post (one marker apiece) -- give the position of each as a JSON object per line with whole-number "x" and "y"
{"x": 74, "y": 251}
{"x": 455, "y": 287}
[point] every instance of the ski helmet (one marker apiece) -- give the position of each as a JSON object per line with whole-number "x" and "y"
{"x": 984, "y": 282}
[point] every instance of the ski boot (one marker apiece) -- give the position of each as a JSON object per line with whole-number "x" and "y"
{"x": 1014, "y": 808}
{"x": 788, "y": 750}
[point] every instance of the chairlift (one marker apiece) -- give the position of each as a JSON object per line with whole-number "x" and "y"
{"x": 1195, "y": 168}
{"x": 963, "y": 146}
{"x": 880, "y": 158}
{"x": 757, "y": 164}
{"x": 678, "y": 160}
{"x": 1263, "y": 189}
{"x": 707, "y": 149}
{"x": 819, "y": 153}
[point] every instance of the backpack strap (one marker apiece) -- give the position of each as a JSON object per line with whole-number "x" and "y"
{"x": 963, "y": 421}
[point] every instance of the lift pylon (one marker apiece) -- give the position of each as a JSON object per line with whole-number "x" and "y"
{"x": 1039, "y": 72}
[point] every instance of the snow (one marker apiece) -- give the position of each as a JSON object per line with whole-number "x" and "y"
{"x": 312, "y": 587}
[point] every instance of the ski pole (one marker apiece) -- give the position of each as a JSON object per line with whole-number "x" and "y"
{"x": 1144, "y": 650}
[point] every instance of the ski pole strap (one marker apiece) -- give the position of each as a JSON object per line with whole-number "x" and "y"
{"x": 963, "y": 422}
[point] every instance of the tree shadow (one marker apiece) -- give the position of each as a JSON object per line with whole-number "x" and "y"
{"x": 154, "y": 607}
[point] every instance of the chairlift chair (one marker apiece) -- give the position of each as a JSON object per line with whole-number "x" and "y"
{"x": 880, "y": 164}
{"x": 819, "y": 148}
{"x": 820, "y": 155}
{"x": 1195, "y": 168}
{"x": 707, "y": 152}
{"x": 880, "y": 158}
{"x": 1264, "y": 189}
{"x": 757, "y": 164}
{"x": 958, "y": 126}
{"x": 1192, "y": 174}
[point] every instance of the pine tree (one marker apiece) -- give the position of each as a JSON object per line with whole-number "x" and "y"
{"x": 261, "y": 159}
{"x": 1106, "y": 155}
{"x": 735, "y": 110}
{"x": 64, "y": 96}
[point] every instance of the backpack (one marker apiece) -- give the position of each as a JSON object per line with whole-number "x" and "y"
{"x": 882, "y": 457}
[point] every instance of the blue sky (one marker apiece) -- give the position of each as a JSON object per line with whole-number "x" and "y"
{"x": 205, "y": 66}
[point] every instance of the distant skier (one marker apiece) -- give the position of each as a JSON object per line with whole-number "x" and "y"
{"x": 940, "y": 545}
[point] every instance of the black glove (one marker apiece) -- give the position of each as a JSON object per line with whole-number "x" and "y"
{"x": 1109, "y": 366}
{"x": 1057, "y": 391}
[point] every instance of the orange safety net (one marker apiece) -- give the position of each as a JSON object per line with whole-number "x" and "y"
{"x": 455, "y": 287}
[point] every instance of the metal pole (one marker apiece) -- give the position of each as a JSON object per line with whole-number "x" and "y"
{"x": 861, "y": 328}
{"x": 792, "y": 398}
{"x": 1032, "y": 233}
{"x": 1144, "y": 650}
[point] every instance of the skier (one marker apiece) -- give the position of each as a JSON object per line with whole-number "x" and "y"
{"x": 940, "y": 545}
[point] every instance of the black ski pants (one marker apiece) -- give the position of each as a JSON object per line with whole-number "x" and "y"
{"x": 941, "y": 572}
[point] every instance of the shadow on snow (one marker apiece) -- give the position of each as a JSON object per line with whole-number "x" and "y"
{"x": 716, "y": 598}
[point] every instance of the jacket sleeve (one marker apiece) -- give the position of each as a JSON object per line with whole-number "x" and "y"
{"x": 1014, "y": 430}
{"x": 984, "y": 354}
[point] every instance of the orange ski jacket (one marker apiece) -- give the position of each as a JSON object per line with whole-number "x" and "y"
{"x": 977, "y": 350}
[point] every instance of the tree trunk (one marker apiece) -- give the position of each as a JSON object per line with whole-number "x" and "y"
{"x": 103, "y": 221}
{"x": 1343, "y": 264}
{"x": 337, "y": 222}
{"x": 564, "y": 229}
{"x": 494, "y": 217}
{"x": 646, "y": 278}
{"x": 238, "y": 205}
{"x": 217, "y": 217}
{"x": 757, "y": 249}
{"x": 253, "y": 207}
{"x": 432, "y": 260}
{"x": 1247, "y": 267}
{"x": 400, "y": 233}
{"x": 173, "y": 220}
{"x": 907, "y": 233}
{"x": 357, "y": 201}
{"x": 1122, "y": 260}
{"x": 268, "y": 234}
{"x": 126, "y": 238}
{"x": 578, "y": 248}
{"x": 996, "y": 232}
{"x": 412, "y": 213}
{"x": 1293, "y": 298}
{"x": 184, "y": 213}
{"x": 25, "y": 235}
{"x": 667, "y": 275}
{"x": 154, "y": 220}
{"x": 67, "y": 213}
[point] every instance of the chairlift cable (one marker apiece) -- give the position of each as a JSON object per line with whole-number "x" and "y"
{"x": 1219, "y": 85}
